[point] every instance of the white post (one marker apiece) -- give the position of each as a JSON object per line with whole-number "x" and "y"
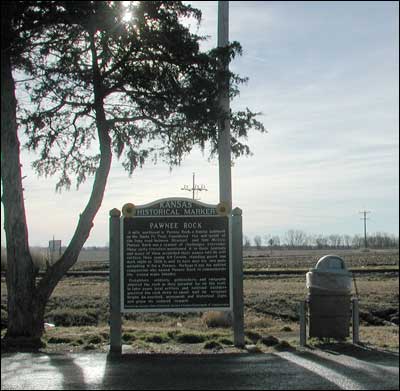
{"x": 115, "y": 284}
{"x": 237, "y": 265}
{"x": 356, "y": 321}
{"x": 224, "y": 136}
{"x": 303, "y": 330}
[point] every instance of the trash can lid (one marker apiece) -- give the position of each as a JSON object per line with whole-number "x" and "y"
{"x": 331, "y": 264}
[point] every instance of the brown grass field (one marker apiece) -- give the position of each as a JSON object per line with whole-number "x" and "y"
{"x": 79, "y": 309}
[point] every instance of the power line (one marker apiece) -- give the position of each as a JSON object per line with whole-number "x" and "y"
{"x": 194, "y": 188}
{"x": 364, "y": 212}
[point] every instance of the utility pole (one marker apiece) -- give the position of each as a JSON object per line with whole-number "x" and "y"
{"x": 225, "y": 180}
{"x": 194, "y": 187}
{"x": 364, "y": 212}
{"x": 224, "y": 134}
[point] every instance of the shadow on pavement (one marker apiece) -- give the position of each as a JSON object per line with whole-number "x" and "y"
{"x": 360, "y": 351}
{"x": 350, "y": 366}
{"x": 216, "y": 372}
{"x": 41, "y": 371}
{"x": 72, "y": 375}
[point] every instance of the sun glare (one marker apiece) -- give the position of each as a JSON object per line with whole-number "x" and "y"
{"x": 128, "y": 14}
{"x": 127, "y": 17}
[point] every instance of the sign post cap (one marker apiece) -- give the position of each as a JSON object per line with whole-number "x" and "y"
{"x": 115, "y": 212}
{"x": 128, "y": 210}
{"x": 237, "y": 212}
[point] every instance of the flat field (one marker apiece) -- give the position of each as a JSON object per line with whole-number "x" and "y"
{"x": 276, "y": 259}
{"x": 79, "y": 309}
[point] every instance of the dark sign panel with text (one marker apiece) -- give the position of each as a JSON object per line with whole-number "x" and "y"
{"x": 175, "y": 256}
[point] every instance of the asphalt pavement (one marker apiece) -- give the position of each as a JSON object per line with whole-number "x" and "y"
{"x": 307, "y": 369}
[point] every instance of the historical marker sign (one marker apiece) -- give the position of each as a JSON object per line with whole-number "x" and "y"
{"x": 175, "y": 256}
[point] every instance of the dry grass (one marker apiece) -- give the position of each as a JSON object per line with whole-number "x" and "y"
{"x": 308, "y": 259}
{"x": 383, "y": 337}
{"x": 214, "y": 319}
{"x": 377, "y": 291}
{"x": 84, "y": 287}
{"x": 270, "y": 310}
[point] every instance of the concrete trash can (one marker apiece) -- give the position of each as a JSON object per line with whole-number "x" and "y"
{"x": 329, "y": 297}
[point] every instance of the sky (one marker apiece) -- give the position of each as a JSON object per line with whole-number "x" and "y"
{"x": 325, "y": 76}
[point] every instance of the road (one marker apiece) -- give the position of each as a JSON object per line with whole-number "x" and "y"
{"x": 288, "y": 370}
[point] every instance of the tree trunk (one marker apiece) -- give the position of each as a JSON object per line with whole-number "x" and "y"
{"x": 20, "y": 276}
{"x": 55, "y": 272}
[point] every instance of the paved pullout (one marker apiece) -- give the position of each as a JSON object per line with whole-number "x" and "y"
{"x": 288, "y": 370}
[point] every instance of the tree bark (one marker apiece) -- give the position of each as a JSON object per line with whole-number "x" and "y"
{"x": 20, "y": 275}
